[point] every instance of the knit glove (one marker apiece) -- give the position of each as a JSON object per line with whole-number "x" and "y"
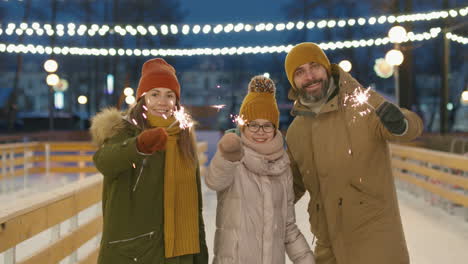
{"x": 152, "y": 140}
{"x": 392, "y": 118}
{"x": 230, "y": 147}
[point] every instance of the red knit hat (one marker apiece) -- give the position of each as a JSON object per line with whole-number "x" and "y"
{"x": 158, "y": 73}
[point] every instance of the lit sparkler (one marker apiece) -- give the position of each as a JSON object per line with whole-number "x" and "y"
{"x": 219, "y": 107}
{"x": 184, "y": 119}
{"x": 238, "y": 119}
{"x": 359, "y": 97}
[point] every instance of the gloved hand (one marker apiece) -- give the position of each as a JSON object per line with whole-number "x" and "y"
{"x": 152, "y": 140}
{"x": 230, "y": 147}
{"x": 392, "y": 118}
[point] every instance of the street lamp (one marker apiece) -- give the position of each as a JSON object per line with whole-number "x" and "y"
{"x": 82, "y": 100}
{"x": 396, "y": 34}
{"x": 345, "y": 65}
{"x": 464, "y": 98}
{"x": 394, "y": 57}
{"x": 50, "y": 65}
{"x": 52, "y": 79}
{"x": 128, "y": 91}
{"x": 130, "y": 99}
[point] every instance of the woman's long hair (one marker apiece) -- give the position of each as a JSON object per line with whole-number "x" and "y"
{"x": 186, "y": 140}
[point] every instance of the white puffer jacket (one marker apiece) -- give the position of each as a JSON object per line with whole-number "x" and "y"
{"x": 255, "y": 218}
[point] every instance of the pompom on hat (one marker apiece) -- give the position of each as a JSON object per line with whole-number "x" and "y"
{"x": 157, "y": 73}
{"x": 260, "y": 101}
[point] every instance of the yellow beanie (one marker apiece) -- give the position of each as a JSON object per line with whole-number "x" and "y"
{"x": 260, "y": 102}
{"x": 304, "y": 53}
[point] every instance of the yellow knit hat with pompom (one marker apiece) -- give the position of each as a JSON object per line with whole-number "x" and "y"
{"x": 260, "y": 102}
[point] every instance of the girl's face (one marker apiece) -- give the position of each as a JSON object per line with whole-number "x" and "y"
{"x": 160, "y": 101}
{"x": 259, "y": 131}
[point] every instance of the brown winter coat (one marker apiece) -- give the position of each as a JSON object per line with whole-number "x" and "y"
{"x": 342, "y": 159}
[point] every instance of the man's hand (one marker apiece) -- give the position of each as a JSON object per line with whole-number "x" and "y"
{"x": 392, "y": 118}
{"x": 152, "y": 140}
{"x": 230, "y": 147}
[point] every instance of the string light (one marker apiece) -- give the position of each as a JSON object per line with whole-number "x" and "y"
{"x": 457, "y": 38}
{"x": 123, "y": 30}
{"x": 39, "y": 49}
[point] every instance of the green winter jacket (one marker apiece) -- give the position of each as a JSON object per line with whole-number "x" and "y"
{"x": 132, "y": 197}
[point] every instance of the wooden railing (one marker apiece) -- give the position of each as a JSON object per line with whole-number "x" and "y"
{"x": 24, "y": 219}
{"x": 442, "y": 177}
{"x": 26, "y": 159}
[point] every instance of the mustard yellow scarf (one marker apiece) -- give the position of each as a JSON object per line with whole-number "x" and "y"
{"x": 181, "y": 234}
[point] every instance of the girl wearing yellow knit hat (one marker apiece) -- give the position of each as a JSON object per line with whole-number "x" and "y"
{"x": 255, "y": 219}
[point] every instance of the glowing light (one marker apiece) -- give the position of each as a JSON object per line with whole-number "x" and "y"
{"x": 394, "y": 57}
{"x": 345, "y": 65}
{"x": 184, "y": 119}
{"x": 219, "y": 107}
{"x": 130, "y": 99}
{"x": 397, "y": 34}
{"x": 239, "y": 120}
{"x": 50, "y": 65}
{"x": 382, "y": 68}
{"x": 82, "y": 99}
{"x": 128, "y": 91}
{"x": 52, "y": 79}
{"x": 358, "y": 98}
{"x": 464, "y": 98}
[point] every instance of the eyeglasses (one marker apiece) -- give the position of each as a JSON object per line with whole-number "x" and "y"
{"x": 255, "y": 127}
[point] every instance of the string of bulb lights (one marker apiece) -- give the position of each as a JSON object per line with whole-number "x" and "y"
{"x": 72, "y": 29}
{"x": 65, "y": 50}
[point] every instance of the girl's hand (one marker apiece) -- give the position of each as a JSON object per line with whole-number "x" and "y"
{"x": 152, "y": 140}
{"x": 230, "y": 147}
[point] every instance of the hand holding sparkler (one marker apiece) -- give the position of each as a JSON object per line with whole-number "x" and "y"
{"x": 152, "y": 140}
{"x": 392, "y": 118}
{"x": 184, "y": 119}
{"x": 230, "y": 147}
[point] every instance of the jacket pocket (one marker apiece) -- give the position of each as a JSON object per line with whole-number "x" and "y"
{"x": 134, "y": 248}
{"x": 361, "y": 207}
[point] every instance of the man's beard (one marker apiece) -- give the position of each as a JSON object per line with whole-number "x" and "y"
{"x": 312, "y": 98}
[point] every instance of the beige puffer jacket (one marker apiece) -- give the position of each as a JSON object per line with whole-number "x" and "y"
{"x": 255, "y": 218}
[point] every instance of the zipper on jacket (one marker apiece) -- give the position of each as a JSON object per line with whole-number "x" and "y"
{"x": 150, "y": 234}
{"x": 339, "y": 218}
{"x": 139, "y": 174}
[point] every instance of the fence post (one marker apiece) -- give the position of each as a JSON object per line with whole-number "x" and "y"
{"x": 4, "y": 171}
{"x": 10, "y": 256}
{"x": 47, "y": 159}
{"x": 12, "y": 169}
{"x": 81, "y": 165}
{"x": 26, "y": 155}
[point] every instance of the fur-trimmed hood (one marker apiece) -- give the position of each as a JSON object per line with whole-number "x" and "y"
{"x": 106, "y": 124}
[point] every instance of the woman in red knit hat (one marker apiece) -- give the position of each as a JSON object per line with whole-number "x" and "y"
{"x": 152, "y": 203}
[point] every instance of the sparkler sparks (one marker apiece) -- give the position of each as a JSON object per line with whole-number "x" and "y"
{"x": 184, "y": 119}
{"x": 219, "y": 107}
{"x": 238, "y": 119}
{"x": 358, "y": 98}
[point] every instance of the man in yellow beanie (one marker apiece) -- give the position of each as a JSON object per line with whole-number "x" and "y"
{"x": 339, "y": 154}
